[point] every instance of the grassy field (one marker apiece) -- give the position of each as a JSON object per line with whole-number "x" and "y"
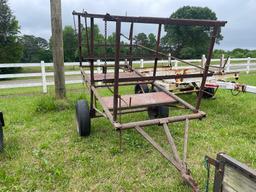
{"x": 44, "y": 153}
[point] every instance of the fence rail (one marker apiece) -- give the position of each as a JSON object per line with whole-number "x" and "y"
{"x": 232, "y": 65}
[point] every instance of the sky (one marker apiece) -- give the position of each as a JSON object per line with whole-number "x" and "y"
{"x": 240, "y": 31}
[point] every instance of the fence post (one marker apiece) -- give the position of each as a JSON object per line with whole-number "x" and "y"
{"x": 222, "y": 60}
{"x": 98, "y": 68}
{"x": 203, "y": 61}
{"x": 176, "y": 64}
{"x": 228, "y": 64}
{"x": 170, "y": 59}
{"x": 44, "y": 82}
{"x": 248, "y": 65}
{"x": 141, "y": 63}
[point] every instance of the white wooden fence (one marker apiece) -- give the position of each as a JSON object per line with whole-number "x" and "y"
{"x": 233, "y": 65}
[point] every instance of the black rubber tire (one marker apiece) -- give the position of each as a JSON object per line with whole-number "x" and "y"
{"x": 208, "y": 93}
{"x": 141, "y": 88}
{"x": 158, "y": 111}
{"x": 1, "y": 138}
{"x": 83, "y": 118}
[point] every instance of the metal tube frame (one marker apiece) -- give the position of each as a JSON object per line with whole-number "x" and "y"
{"x": 173, "y": 158}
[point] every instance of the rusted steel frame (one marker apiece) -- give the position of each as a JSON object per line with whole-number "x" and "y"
{"x": 171, "y": 94}
{"x": 116, "y": 75}
{"x": 154, "y": 20}
{"x": 125, "y": 111}
{"x": 122, "y": 84}
{"x": 185, "y": 147}
{"x": 185, "y": 176}
{"x": 131, "y": 45}
{"x": 165, "y": 55}
{"x": 172, "y": 143}
{"x": 150, "y": 122}
{"x": 92, "y": 112}
{"x": 112, "y": 45}
{"x": 123, "y": 57}
{"x": 102, "y": 65}
{"x": 207, "y": 65}
{"x": 100, "y": 112}
{"x": 87, "y": 36}
{"x": 105, "y": 108}
{"x": 156, "y": 52}
{"x": 80, "y": 41}
{"x": 150, "y": 78}
{"x": 92, "y": 51}
{"x": 189, "y": 106}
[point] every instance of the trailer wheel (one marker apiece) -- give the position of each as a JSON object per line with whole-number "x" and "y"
{"x": 1, "y": 137}
{"x": 83, "y": 118}
{"x": 158, "y": 111}
{"x": 141, "y": 88}
{"x": 208, "y": 93}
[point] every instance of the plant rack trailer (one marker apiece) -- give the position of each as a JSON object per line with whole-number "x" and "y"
{"x": 154, "y": 100}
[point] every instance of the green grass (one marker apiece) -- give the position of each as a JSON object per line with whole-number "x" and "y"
{"x": 44, "y": 153}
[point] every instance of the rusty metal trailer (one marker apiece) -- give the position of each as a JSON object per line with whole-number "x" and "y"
{"x": 219, "y": 80}
{"x": 190, "y": 85}
{"x": 155, "y": 99}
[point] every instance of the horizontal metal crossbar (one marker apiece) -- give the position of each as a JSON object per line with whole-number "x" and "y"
{"x": 153, "y": 20}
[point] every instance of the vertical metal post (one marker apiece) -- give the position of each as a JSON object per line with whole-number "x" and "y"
{"x": 131, "y": 48}
{"x": 207, "y": 65}
{"x": 185, "y": 147}
{"x": 92, "y": 111}
{"x": 157, "y": 49}
{"x": 80, "y": 41}
{"x": 117, "y": 57}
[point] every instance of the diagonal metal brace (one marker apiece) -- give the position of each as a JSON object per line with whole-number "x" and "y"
{"x": 159, "y": 148}
{"x": 179, "y": 166}
{"x": 171, "y": 142}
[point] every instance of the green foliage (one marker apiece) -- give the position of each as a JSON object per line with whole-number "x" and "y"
{"x": 10, "y": 47}
{"x": 148, "y": 41}
{"x": 70, "y": 44}
{"x": 189, "y": 41}
{"x": 43, "y": 151}
{"x": 235, "y": 53}
{"x": 47, "y": 103}
{"x": 35, "y": 49}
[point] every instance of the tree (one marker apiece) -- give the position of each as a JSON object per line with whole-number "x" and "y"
{"x": 10, "y": 47}
{"x": 70, "y": 44}
{"x": 190, "y": 41}
{"x": 141, "y": 39}
{"x": 152, "y": 41}
{"x": 35, "y": 49}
